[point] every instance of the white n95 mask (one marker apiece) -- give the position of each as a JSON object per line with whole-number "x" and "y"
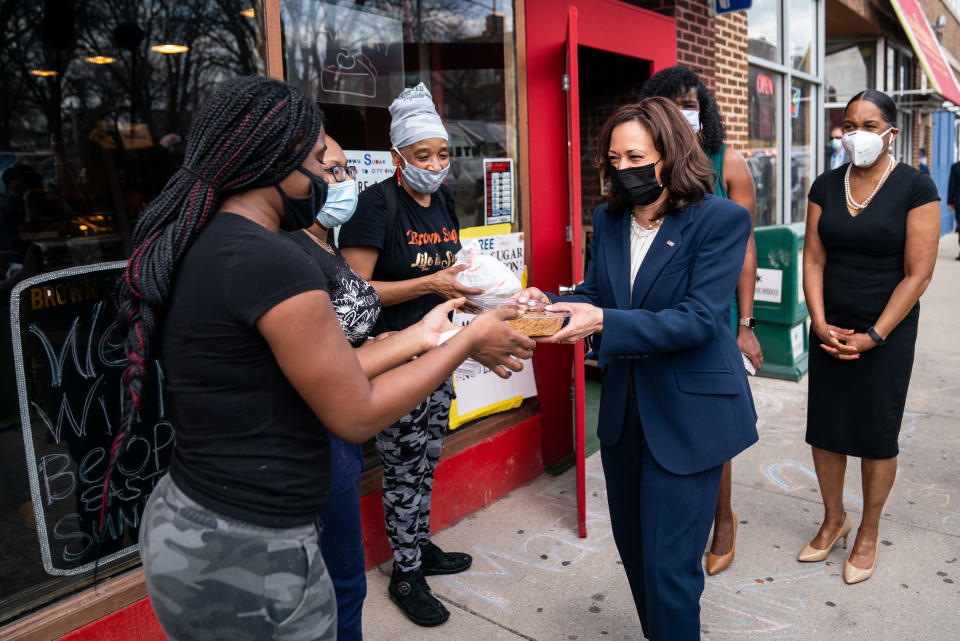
{"x": 693, "y": 117}
{"x": 863, "y": 147}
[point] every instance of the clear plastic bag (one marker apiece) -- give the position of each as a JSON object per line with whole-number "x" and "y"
{"x": 485, "y": 272}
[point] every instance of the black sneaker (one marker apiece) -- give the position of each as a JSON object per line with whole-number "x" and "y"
{"x": 409, "y": 590}
{"x": 433, "y": 560}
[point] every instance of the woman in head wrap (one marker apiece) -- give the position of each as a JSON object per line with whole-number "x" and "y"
{"x": 403, "y": 239}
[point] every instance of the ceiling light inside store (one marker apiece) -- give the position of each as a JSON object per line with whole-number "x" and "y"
{"x": 249, "y": 13}
{"x": 169, "y": 48}
{"x": 43, "y": 73}
{"x": 101, "y": 60}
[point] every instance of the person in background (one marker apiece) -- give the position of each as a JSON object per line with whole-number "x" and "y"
{"x": 256, "y": 370}
{"x": 870, "y": 248}
{"x": 357, "y": 307}
{"x": 733, "y": 181}
{"x": 676, "y": 404}
{"x": 403, "y": 240}
{"x": 922, "y": 165}
{"x": 837, "y": 154}
{"x": 953, "y": 196}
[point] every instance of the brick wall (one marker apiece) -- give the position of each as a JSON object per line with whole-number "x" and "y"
{"x": 606, "y": 82}
{"x": 731, "y": 75}
{"x": 696, "y": 47}
{"x": 951, "y": 32}
{"x": 716, "y": 48}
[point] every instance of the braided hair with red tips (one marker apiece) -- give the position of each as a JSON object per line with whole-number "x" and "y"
{"x": 252, "y": 133}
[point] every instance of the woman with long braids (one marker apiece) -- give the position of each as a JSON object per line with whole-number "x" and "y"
{"x": 256, "y": 367}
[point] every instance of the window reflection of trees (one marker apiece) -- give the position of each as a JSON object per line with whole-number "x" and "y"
{"x": 67, "y": 122}
{"x": 140, "y": 86}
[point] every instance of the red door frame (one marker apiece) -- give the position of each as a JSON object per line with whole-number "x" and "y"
{"x": 609, "y": 25}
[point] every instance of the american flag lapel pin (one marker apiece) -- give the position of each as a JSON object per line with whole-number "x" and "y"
{"x": 670, "y": 243}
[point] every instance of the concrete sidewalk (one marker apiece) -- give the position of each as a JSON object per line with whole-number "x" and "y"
{"x": 532, "y": 578}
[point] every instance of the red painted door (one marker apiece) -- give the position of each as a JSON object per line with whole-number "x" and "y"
{"x": 571, "y": 84}
{"x": 556, "y": 30}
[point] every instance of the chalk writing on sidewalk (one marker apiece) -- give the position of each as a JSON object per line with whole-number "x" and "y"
{"x": 770, "y": 606}
{"x": 775, "y": 472}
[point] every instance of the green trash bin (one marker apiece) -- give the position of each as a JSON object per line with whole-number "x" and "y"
{"x": 778, "y": 302}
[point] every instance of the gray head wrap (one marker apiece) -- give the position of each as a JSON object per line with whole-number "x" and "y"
{"x": 414, "y": 118}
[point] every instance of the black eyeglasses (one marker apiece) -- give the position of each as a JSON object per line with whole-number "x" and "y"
{"x": 340, "y": 173}
{"x": 836, "y": 137}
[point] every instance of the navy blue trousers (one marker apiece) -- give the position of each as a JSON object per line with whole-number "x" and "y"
{"x": 660, "y": 524}
{"x": 341, "y": 542}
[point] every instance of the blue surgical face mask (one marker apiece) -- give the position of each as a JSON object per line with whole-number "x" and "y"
{"x": 422, "y": 181}
{"x": 340, "y": 205}
{"x": 693, "y": 117}
{"x": 835, "y": 144}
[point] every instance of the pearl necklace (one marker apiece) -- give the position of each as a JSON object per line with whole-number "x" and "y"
{"x": 642, "y": 232}
{"x": 846, "y": 187}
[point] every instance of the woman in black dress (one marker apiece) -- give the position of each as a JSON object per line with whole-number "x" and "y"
{"x": 869, "y": 253}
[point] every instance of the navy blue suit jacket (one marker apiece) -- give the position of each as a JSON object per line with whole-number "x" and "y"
{"x": 674, "y": 337}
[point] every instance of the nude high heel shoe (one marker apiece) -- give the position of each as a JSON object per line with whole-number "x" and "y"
{"x": 810, "y": 554}
{"x": 720, "y": 562}
{"x": 852, "y": 574}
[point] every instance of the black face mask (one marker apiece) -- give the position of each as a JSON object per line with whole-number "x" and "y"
{"x": 636, "y": 185}
{"x": 300, "y": 213}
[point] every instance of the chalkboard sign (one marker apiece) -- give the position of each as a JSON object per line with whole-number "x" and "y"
{"x": 69, "y": 358}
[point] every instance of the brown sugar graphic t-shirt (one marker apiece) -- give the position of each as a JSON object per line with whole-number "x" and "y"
{"x": 423, "y": 240}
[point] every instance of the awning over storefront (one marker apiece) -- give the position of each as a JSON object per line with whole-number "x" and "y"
{"x": 925, "y": 45}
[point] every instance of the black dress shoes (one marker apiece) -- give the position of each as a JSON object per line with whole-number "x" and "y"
{"x": 433, "y": 560}
{"x": 409, "y": 590}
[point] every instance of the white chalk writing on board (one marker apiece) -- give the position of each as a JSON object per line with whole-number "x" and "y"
{"x": 69, "y": 358}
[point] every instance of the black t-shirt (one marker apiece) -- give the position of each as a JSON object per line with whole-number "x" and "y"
{"x": 423, "y": 240}
{"x": 248, "y": 446}
{"x": 354, "y": 300}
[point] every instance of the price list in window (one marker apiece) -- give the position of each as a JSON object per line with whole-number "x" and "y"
{"x": 498, "y": 190}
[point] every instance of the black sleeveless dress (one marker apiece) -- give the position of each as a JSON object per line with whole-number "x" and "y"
{"x": 856, "y": 407}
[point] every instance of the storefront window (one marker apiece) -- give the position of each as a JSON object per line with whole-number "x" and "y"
{"x": 900, "y": 78}
{"x": 803, "y": 35}
{"x": 849, "y": 70}
{"x": 355, "y": 59}
{"x": 763, "y": 29}
{"x": 785, "y": 105}
{"x": 803, "y": 147}
{"x": 95, "y": 104}
{"x": 764, "y": 101}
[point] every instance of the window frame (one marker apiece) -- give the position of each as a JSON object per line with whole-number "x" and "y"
{"x": 785, "y": 74}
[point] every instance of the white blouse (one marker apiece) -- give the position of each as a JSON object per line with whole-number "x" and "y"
{"x": 640, "y": 242}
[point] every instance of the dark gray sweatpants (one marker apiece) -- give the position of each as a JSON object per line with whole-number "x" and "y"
{"x": 410, "y": 449}
{"x": 211, "y": 578}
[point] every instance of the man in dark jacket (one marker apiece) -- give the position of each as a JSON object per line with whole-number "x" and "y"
{"x": 953, "y": 194}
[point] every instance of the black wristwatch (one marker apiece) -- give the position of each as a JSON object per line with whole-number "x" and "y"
{"x": 872, "y": 333}
{"x": 749, "y": 321}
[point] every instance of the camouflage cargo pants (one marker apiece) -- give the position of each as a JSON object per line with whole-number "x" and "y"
{"x": 410, "y": 449}
{"x": 216, "y": 579}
